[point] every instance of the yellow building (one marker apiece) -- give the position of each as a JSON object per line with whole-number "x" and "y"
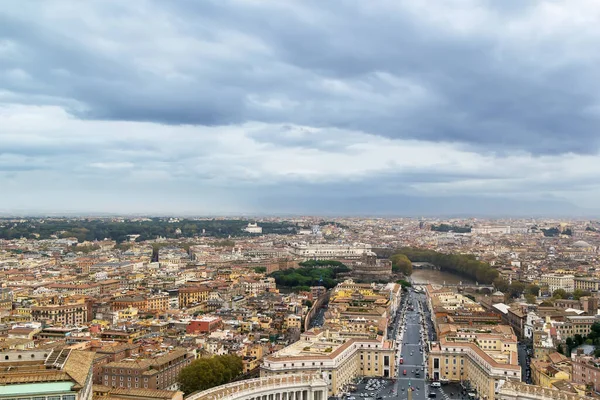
{"x": 546, "y": 373}
{"x": 159, "y": 302}
{"x": 192, "y": 294}
{"x": 128, "y": 313}
{"x": 484, "y": 359}
{"x": 293, "y": 321}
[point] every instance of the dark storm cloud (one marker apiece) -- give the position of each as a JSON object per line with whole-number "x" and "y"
{"x": 377, "y": 67}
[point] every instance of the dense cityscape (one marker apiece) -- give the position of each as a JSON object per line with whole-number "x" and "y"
{"x": 299, "y": 200}
{"x": 302, "y": 308}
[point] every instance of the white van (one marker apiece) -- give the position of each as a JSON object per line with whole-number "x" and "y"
{"x": 436, "y": 384}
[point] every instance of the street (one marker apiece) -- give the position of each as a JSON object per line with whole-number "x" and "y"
{"x": 412, "y": 350}
{"x": 524, "y": 360}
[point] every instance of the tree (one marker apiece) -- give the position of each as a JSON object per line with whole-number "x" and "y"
{"x": 516, "y": 288}
{"x": 501, "y": 284}
{"x": 559, "y": 294}
{"x": 533, "y": 289}
{"x": 205, "y": 373}
{"x": 578, "y": 293}
{"x": 559, "y": 348}
{"x": 546, "y": 303}
{"x": 579, "y": 339}
{"x": 595, "y": 329}
{"x": 570, "y": 345}
{"x": 531, "y": 299}
{"x": 260, "y": 270}
{"x": 401, "y": 263}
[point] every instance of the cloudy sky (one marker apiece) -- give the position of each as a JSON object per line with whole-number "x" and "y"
{"x": 307, "y": 106}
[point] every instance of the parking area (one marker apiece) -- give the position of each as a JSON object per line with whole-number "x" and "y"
{"x": 373, "y": 389}
{"x": 452, "y": 391}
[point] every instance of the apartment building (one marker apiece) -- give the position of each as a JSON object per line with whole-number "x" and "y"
{"x": 483, "y": 359}
{"x": 254, "y": 287}
{"x": 192, "y": 294}
{"x": 157, "y": 302}
{"x": 317, "y": 291}
{"x": 576, "y": 324}
{"x": 124, "y": 302}
{"x": 109, "y": 286}
{"x": 155, "y": 373}
{"x": 109, "y": 352}
{"x": 66, "y": 314}
{"x": 558, "y": 281}
{"x": 338, "y": 358}
{"x": 585, "y": 283}
{"x": 586, "y": 371}
{"x": 549, "y": 371}
{"x": 92, "y": 289}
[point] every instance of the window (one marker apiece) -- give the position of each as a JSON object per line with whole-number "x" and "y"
{"x": 69, "y": 397}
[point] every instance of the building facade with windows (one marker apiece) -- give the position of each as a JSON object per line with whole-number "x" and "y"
{"x": 192, "y": 295}
{"x": 314, "y": 251}
{"x": 339, "y": 359}
{"x": 66, "y": 314}
{"x": 155, "y": 373}
{"x": 482, "y": 359}
{"x": 558, "y": 281}
{"x": 288, "y": 387}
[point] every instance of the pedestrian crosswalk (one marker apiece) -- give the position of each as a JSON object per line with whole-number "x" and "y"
{"x": 443, "y": 394}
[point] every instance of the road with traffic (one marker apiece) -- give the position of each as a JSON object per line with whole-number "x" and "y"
{"x": 411, "y": 343}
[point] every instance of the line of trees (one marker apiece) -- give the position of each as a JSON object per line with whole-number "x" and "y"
{"x": 205, "y": 373}
{"x": 99, "y": 229}
{"x": 551, "y": 232}
{"x": 576, "y": 295}
{"x": 322, "y": 263}
{"x": 465, "y": 265}
{"x": 451, "y": 228}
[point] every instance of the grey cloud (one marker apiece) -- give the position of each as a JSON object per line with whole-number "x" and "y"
{"x": 471, "y": 95}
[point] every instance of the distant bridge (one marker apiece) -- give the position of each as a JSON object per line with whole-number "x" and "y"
{"x": 460, "y": 286}
{"x": 425, "y": 265}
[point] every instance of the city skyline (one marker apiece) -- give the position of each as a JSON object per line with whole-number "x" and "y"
{"x": 327, "y": 108}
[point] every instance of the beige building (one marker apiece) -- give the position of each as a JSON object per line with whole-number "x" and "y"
{"x": 584, "y": 283}
{"x": 483, "y": 359}
{"x": 66, "y": 314}
{"x": 339, "y": 359}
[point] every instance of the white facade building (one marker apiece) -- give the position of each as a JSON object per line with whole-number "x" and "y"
{"x": 314, "y": 251}
{"x": 288, "y": 387}
{"x": 557, "y": 281}
{"x": 253, "y": 228}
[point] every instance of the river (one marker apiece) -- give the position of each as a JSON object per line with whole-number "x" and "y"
{"x": 434, "y": 276}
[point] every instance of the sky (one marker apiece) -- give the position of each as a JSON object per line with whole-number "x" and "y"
{"x": 395, "y": 107}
